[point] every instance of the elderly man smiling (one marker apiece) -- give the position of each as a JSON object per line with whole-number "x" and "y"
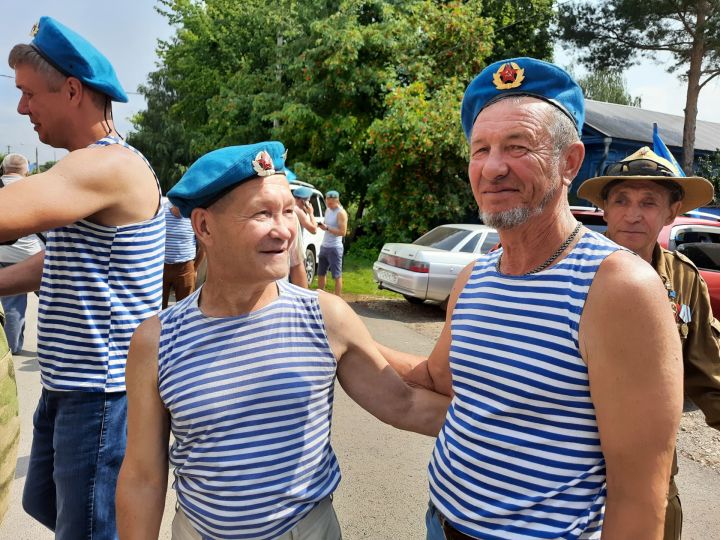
{"x": 243, "y": 371}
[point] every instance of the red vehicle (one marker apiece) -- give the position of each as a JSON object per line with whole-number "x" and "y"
{"x": 696, "y": 238}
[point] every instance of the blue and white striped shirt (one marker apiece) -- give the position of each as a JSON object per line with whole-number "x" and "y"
{"x": 250, "y": 400}
{"x": 179, "y": 238}
{"x": 98, "y": 283}
{"x": 519, "y": 454}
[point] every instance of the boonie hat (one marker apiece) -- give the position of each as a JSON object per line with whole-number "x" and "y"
{"x": 523, "y": 77}
{"x": 217, "y": 172}
{"x": 74, "y": 56}
{"x": 332, "y": 194}
{"x": 303, "y": 192}
{"x": 647, "y": 165}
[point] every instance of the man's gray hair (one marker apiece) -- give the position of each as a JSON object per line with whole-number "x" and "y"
{"x": 562, "y": 129}
{"x": 15, "y": 164}
{"x": 24, "y": 54}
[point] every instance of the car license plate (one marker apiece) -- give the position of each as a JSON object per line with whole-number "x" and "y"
{"x": 384, "y": 275}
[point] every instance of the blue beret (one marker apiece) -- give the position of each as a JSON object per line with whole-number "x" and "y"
{"x": 74, "y": 56}
{"x": 217, "y": 172}
{"x": 303, "y": 192}
{"x": 332, "y": 194}
{"x": 523, "y": 77}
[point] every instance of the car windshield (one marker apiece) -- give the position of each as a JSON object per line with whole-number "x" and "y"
{"x": 705, "y": 256}
{"x": 442, "y": 238}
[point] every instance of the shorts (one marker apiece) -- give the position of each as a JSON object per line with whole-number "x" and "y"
{"x": 330, "y": 258}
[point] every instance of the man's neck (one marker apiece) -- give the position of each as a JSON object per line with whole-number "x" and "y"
{"x": 529, "y": 245}
{"x": 220, "y": 298}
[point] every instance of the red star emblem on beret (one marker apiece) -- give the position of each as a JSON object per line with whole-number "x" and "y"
{"x": 508, "y": 74}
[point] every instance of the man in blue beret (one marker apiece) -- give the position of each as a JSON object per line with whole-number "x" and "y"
{"x": 559, "y": 350}
{"x": 331, "y": 249}
{"x": 305, "y": 222}
{"x": 100, "y": 276}
{"x": 242, "y": 373}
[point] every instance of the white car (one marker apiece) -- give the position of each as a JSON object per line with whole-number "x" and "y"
{"x": 427, "y": 268}
{"x": 311, "y": 242}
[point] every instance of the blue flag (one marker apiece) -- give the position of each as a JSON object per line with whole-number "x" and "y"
{"x": 661, "y": 150}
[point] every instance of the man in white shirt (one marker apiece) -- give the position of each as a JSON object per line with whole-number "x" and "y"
{"x": 14, "y": 168}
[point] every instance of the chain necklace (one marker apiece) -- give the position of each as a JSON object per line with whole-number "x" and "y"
{"x": 552, "y": 258}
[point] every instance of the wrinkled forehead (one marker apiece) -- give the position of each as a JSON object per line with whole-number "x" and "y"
{"x": 639, "y": 187}
{"x": 511, "y": 114}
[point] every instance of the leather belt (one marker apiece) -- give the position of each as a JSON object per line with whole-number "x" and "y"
{"x": 451, "y": 533}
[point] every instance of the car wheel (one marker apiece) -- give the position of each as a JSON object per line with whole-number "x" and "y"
{"x": 310, "y": 264}
{"x": 413, "y": 299}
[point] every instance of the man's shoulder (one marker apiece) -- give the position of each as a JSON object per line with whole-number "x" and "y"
{"x": 679, "y": 262}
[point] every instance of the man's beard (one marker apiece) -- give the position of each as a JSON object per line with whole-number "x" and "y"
{"x": 507, "y": 219}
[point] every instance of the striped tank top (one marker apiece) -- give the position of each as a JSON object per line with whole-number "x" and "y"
{"x": 179, "y": 238}
{"x": 250, "y": 400}
{"x": 519, "y": 454}
{"x": 98, "y": 283}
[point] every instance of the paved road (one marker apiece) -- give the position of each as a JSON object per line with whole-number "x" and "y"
{"x": 384, "y": 492}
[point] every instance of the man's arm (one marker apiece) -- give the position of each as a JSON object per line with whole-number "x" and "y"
{"x": 701, "y": 354}
{"x": 142, "y": 484}
{"x": 82, "y": 184}
{"x": 342, "y": 219}
{"x": 432, "y": 372}
{"x": 629, "y": 341}
{"x": 307, "y": 219}
{"x": 370, "y": 381}
{"x": 23, "y": 277}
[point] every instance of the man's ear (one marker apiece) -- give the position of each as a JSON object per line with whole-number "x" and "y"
{"x": 571, "y": 161}
{"x": 200, "y": 223}
{"x": 674, "y": 211}
{"x": 74, "y": 89}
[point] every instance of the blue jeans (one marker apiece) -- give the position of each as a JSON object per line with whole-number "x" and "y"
{"x": 15, "y": 307}
{"x": 432, "y": 524}
{"x": 78, "y": 446}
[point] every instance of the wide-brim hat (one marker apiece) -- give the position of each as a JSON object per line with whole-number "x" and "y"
{"x": 74, "y": 56}
{"x": 218, "y": 172}
{"x": 647, "y": 165}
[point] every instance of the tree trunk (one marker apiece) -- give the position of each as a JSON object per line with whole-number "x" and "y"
{"x": 693, "y": 89}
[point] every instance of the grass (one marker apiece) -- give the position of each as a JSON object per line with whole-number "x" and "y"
{"x": 358, "y": 278}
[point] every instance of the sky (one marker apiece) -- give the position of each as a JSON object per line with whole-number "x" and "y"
{"x": 128, "y": 36}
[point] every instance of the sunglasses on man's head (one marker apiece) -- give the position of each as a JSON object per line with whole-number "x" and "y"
{"x": 638, "y": 167}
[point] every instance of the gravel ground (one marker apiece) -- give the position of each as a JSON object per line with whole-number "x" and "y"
{"x": 696, "y": 441}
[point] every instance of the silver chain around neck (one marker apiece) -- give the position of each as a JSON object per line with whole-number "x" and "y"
{"x": 552, "y": 258}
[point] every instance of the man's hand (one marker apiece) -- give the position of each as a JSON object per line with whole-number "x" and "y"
{"x": 370, "y": 381}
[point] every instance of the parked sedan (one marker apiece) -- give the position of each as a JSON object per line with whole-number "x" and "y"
{"x": 427, "y": 268}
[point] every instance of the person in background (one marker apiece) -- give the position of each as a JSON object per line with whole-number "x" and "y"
{"x": 182, "y": 255}
{"x": 15, "y": 167}
{"x": 331, "y": 249}
{"x": 9, "y": 420}
{"x": 639, "y": 196}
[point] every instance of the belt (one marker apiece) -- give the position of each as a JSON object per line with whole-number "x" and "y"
{"x": 451, "y": 533}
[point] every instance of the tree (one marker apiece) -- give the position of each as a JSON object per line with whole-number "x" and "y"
{"x": 364, "y": 93}
{"x": 609, "y": 86}
{"x": 615, "y": 32}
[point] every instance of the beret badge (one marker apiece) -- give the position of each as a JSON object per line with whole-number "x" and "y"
{"x": 508, "y": 76}
{"x": 34, "y": 29}
{"x": 263, "y": 164}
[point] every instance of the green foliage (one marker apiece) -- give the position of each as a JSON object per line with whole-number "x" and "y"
{"x": 609, "y": 86}
{"x": 365, "y": 94}
{"x": 709, "y": 167}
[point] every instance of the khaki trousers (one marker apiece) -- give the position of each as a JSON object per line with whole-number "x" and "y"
{"x": 320, "y": 524}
